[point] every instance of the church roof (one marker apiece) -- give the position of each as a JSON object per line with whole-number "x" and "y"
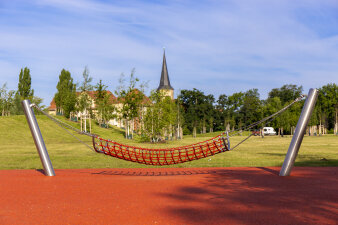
{"x": 164, "y": 82}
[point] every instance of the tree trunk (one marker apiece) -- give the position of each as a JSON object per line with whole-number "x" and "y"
{"x": 90, "y": 124}
{"x": 227, "y": 127}
{"x": 178, "y": 131}
{"x": 152, "y": 124}
{"x": 171, "y": 132}
{"x": 85, "y": 121}
{"x": 194, "y": 132}
{"x": 126, "y": 128}
{"x": 204, "y": 129}
{"x": 336, "y": 123}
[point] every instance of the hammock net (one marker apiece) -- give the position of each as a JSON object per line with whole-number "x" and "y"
{"x": 161, "y": 157}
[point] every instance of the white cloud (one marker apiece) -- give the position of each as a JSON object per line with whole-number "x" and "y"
{"x": 219, "y": 47}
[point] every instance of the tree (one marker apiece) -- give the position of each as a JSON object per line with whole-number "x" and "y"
{"x": 197, "y": 109}
{"x": 328, "y": 103}
{"x": 251, "y": 108}
{"x": 84, "y": 102}
{"x": 235, "y": 102}
{"x": 161, "y": 117}
{"x": 6, "y": 100}
{"x": 169, "y": 115}
{"x": 100, "y": 89}
{"x": 65, "y": 97}
{"x": 224, "y": 112}
{"x": 24, "y": 91}
{"x": 286, "y": 93}
{"x": 153, "y": 118}
{"x": 104, "y": 103}
{"x": 130, "y": 98}
{"x": 271, "y": 106}
{"x": 24, "y": 85}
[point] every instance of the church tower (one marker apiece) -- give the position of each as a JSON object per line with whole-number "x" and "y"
{"x": 165, "y": 86}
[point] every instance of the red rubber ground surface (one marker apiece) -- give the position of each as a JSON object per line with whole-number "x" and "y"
{"x": 170, "y": 196}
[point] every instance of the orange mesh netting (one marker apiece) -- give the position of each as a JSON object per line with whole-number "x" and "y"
{"x": 160, "y": 157}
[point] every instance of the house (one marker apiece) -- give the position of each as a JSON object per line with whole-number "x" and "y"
{"x": 116, "y": 121}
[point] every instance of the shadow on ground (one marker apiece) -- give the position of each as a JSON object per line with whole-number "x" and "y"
{"x": 259, "y": 196}
{"x": 153, "y": 172}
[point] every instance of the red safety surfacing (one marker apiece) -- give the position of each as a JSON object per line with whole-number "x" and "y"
{"x": 170, "y": 196}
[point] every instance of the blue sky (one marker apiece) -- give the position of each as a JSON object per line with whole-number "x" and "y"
{"x": 219, "y": 47}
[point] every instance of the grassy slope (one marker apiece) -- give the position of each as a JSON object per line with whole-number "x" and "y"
{"x": 17, "y": 149}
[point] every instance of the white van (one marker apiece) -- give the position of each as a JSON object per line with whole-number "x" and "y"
{"x": 269, "y": 131}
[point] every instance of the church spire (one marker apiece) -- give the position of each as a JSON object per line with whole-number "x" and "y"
{"x": 164, "y": 82}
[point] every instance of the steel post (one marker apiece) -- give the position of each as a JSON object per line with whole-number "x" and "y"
{"x": 299, "y": 132}
{"x": 38, "y": 140}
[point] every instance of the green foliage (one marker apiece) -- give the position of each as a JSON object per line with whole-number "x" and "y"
{"x": 24, "y": 85}
{"x": 25, "y": 91}
{"x": 286, "y": 93}
{"x": 104, "y": 104}
{"x": 230, "y": 110}
{"x": 86, "y": 83}
{"x": 197, "y": 109}
{"x": 38, "y": 101}
{"x": 84, "y": 101}
{"x": 65, "y": 98}
{"x": 6, "y": 100}
{"x": 100, "y": 89}
{"x": 271, "y": 106}
{"x": 161, "y": 117}
{"x": 251, "y": 110}
{"x": 17, "y": 107}
{"x": 328, "y": 104}
{"x": 279, "y": 98}
{"x": 130, "y": 98}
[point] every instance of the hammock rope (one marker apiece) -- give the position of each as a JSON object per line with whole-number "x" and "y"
{"x": 166, "y": 156}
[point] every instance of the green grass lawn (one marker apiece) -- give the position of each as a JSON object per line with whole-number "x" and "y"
{"x": 17, "y": 149}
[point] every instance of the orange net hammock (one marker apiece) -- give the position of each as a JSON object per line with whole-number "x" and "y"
{"x": 161, "y": 157}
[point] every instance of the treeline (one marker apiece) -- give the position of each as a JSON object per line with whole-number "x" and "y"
{"x": 157, "y": 116}
{"x": 204, "y": 112}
